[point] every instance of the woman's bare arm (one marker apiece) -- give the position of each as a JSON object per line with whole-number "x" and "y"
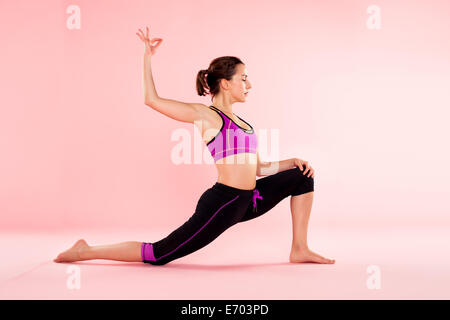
{"x": 181, "y": 111}
{"x": 264, "y": 168}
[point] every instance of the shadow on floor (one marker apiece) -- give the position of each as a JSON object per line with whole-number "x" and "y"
{"x": 189, "y": 266}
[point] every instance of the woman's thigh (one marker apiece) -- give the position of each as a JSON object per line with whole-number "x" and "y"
{"x": 218, "y": 209}
{"x": 277, "y": 187}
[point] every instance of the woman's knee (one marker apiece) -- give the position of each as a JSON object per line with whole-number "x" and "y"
{"x": 303, "y": 183}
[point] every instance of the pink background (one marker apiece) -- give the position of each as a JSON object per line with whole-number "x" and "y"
{"x": 368, "y": 108}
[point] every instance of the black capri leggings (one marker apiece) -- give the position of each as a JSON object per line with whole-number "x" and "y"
{"x": 222, "y": 206}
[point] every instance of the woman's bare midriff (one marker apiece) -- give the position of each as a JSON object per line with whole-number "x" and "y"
{"x": 238, "y": 170}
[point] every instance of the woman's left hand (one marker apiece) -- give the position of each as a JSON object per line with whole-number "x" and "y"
{"x": 302, "y": 163}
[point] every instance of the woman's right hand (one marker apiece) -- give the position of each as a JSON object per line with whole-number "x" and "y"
{"x": 149, "y": 48}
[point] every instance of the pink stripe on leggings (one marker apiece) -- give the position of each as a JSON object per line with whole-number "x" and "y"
{"x": 147, "y": 251}
{"x": 147, "y": 248}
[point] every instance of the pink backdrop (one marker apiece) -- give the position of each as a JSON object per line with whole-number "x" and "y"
{"x": 367, "y": 107}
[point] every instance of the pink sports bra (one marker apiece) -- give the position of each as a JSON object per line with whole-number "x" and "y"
{"x": 232, "y": 139}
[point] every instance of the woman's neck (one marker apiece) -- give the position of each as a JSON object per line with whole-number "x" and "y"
{"x": 224, "y": 110}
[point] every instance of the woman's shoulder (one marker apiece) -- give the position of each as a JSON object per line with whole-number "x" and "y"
{"x": 209, "y": 117}
{"x": 207, "y": 112}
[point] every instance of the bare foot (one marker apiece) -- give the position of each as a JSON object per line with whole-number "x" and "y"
{"x": 306, "y": 255}
{"x": 72, "y": 254}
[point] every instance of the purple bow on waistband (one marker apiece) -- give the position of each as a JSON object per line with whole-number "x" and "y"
{"x": 255, "y": 196}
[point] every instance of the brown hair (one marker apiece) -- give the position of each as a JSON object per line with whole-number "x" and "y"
{"x": 219, "y": 68}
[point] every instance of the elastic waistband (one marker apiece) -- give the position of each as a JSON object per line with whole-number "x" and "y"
{"x": 226, "y": 188}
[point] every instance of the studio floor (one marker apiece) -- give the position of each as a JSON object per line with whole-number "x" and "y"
{"x": 407, "y": 263}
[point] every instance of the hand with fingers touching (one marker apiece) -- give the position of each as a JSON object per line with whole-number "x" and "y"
{"x": 150, "y": 46}
{"x": 300, "y": 163}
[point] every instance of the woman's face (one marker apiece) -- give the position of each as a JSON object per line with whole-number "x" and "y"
{"x": 239, "y": 84}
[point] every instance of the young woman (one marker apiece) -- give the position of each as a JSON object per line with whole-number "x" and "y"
{"x": 236, "y": 196}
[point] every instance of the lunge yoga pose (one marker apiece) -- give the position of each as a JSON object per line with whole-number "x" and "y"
{"x": 236, "y": 196}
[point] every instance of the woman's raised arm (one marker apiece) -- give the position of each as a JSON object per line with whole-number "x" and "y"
{"x": 181, "y": 111}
